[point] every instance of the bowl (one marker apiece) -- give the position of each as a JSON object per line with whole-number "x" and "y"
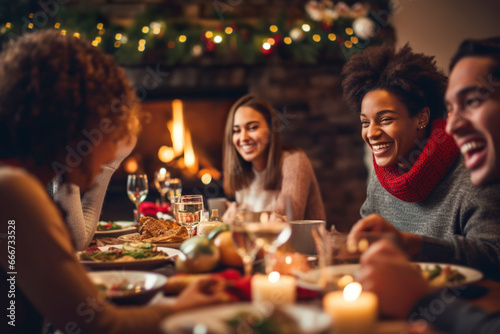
{"x": 127, "y": 287}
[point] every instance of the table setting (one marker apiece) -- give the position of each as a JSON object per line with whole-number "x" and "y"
{"x": 315, "y": 288}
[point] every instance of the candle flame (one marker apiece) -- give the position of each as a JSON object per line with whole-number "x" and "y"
{"x": 288, "y": 259}
{"x": 274, "y": 277}
{"x": 352, "y": 291}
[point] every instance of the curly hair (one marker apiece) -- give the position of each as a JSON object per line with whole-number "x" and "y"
{"x": 238, "y": 172}
{"x": 412, "y": 77}
{"x": 487, "y": 47}
{"x": 55, "y": 92}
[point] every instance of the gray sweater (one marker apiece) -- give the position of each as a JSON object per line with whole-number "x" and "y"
{"x": 459, "y": 223}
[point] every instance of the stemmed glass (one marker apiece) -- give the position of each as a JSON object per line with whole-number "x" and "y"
{"x": 246, "y": 247}
{"x": 137, "y": 190}
{"x": 174, "y": 188}
{"x": 189, "y": 209}
{"x": 160, "y": 177}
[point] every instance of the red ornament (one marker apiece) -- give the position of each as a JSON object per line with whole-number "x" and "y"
{"x": 266, "y": 51}
{"x": 277, "y": 38}
{"x": 340, "y": 40}
{"x": 209, "y": 46}
{"x": 325, "y": 26}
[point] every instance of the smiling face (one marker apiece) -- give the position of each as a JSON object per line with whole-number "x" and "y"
{"x": 473, "y": 103}
{"x": 389, "y": 130}
{"x": 251, "y": 136}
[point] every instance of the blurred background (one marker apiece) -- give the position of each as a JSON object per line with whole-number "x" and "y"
{"x": 190, "y": 60}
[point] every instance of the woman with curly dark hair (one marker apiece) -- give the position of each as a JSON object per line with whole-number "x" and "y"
{"x": 420, "y": 190}
{"x": 65, "y": 107}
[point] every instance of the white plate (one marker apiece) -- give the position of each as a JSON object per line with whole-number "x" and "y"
{"x": 310, "y": 319}
{"x": 152, "y": 283}
{"x": 144, "y": 264}
{"x": 310, "y": 279}
{"x": 133, "y": 237}
{"x": 127, "y": 227}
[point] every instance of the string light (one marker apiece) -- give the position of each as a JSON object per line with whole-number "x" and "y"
{"x": 349, "y": 31}
{"x": 273, "y": 28}
{"x": 332, "y": 37}
{"x": 30, "y": 26}
{"x": 209, "y": 34}
{"x": 354, "y": 40}
{"x": 348, "y": 44}
{"x": 118, "y": 36}
{"x": 142, "y": 42}
{"x": 306, "y": 27}
{"x": 287, "y": 40}
{"x": 31, "y": 15}
{"x": 8, "y": 25}
{"x": 266, "y": 46}
{"x": 316, "y": 38}
{"x": 95, "y": 43}
{"x": 117, "y": 44}
{"x": 228, "y": 30}
{"x": 271, "y": 41}
{"x": 218, "y": 39}
{"x": 145, "y": 29}
{"x": 182, "y": 38}
{"x": 98, "y": 39}
{"x": 57, "y": 25}
{"x": 77, "y": 35}
{"x": 206, "y": 178}
{"x": 102, "y": 31}
{"x": 100, "y": 26}
{"x": 63, "y": 32}
{"x": 141, "y": 48}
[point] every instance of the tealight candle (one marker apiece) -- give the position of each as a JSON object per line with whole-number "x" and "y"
{"x": 275, "y": 288}
{"x": 352, "y": 310}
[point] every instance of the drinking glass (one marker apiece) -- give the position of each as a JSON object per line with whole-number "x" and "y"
{"x": 246, "y": 247}
{"x": 174, "y": 188}
{"x": 137, "y": 190}
{"x": 160, "y": 177}
{"x": 189, "y": 209}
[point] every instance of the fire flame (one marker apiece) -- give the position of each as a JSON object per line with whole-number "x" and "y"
{"x": 177, "y": 127}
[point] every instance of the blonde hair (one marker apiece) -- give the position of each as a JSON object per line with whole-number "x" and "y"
{"x": 238, "y": 173}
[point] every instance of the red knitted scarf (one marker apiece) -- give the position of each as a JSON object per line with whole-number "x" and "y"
{"x": 438, "y": 154}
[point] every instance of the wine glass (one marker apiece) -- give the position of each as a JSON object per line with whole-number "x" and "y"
{"x": 137, "y": 190}
{"x": 246, "y": 247}
{"x": 189, "y": 210}
{"x": 174, "y": 188}
{"x": 160, "y": 177}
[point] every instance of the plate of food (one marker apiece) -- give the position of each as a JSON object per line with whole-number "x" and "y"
{"x": 129, "y": 255}
{"x": 127, "y": 286}
{"x": 165, "y": 233}
{"x": 437, "y": 274}
{"x": 114, "y": 229}
{"x": 259, "y": 317}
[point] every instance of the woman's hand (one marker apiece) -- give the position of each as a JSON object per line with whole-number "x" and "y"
{"x": 376, "y": 223}
{"x": 385, "y": 270}
{"x": 203, "y": 292}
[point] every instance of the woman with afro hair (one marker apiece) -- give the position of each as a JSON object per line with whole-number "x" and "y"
{"x": 419, "y": 191}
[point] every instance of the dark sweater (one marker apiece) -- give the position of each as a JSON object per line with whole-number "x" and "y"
{"x": 459, "y": 223}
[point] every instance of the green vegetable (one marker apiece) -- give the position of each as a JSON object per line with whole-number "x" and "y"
{"x": 215, "y": 232}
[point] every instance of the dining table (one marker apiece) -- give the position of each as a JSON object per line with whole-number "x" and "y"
{"x": 484, "y": 294}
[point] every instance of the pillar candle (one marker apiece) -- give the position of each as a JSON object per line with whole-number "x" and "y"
{"x": 275, "y": 288}
{"x": 352, "y": 310}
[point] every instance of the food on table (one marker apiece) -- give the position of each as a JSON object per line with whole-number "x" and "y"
{"x": 228, "y": 253}
{"x": 215, "y": 232}
{"x": 286, "y": 263}
{"x": 437, "y": 275}
{"x": 276, "y": 323}
{"x": 178, "y": 282}
{"x": 199, "y": 255}
{"x": 161, "y": 231}
{"x": 109, "y": 226}
{"x": 122, "y": 288}
{"x": 128, "y": 252}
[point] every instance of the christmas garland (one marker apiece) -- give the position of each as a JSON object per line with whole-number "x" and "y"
{"x": 327, "y": 32}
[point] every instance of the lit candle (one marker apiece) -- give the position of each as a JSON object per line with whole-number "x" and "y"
{"x": 274, "y": 288}
{"x": 353, "y": 310}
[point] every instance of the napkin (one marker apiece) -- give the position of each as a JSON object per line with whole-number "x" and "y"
{"x": 240, "y": 287}
{"x": 151, "y": 209}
